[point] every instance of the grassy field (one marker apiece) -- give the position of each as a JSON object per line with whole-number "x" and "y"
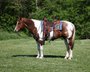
{"x": 18, "y": 55}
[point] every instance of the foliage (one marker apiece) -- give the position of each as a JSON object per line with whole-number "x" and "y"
{"x": 76, "y": 11}
{"x": 10, "y": 35}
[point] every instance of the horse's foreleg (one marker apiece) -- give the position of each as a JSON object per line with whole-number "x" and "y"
{"x": 38, "y": 48}
{"x": 41, "y": 51}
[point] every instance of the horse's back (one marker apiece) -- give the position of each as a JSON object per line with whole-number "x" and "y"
{"x": 70, "y": 25}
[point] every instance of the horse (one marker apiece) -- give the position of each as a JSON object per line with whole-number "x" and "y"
{"x": 41, "y": 30}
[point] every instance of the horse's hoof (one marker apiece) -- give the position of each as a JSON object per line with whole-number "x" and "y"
{"x": 69, "y": 58}
{"x": 37, "y": 57}
{"x": 41, "y": 57}
{"x": 66, "y": 58}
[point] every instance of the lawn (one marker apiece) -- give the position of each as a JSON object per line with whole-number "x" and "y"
{"x": 18, "y": 55}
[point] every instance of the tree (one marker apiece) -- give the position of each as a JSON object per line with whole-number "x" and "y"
{"x": 76, "y": 11}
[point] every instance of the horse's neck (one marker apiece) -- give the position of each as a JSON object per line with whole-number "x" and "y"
{"x": 38, "y": 24}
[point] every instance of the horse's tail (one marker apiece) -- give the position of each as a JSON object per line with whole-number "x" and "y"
{"x": 73, "y": 36}
{"x": 74, "y": 33}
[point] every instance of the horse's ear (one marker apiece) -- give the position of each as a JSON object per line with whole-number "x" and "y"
{"x": 45, "y": 19}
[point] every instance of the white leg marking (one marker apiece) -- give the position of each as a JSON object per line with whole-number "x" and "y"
{"x": 70, "y": 54}
{"x": 38, "y": 48}
{"x": 67, "y": 54}
{"x": 41, "y": 51}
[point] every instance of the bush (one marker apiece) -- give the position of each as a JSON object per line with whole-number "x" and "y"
{"x": 7, "y": 22}
{"x": 10, "y": 35}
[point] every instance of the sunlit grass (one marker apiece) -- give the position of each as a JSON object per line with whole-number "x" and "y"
{"x": 18, "y": 55}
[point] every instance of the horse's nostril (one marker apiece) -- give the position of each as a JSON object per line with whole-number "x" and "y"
{"x": 15, "y": 30}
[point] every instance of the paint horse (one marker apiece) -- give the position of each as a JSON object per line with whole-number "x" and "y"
{"x": 36, "y": 27}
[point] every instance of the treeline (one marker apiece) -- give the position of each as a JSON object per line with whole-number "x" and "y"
{"x": 76, "y": 11}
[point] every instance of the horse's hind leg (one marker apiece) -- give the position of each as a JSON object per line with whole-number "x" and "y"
{"x": 69, "y": 46}
{"x": 67, "y": 52}
{"x": 40, "y": 51}
{"x": 38, "y": 48}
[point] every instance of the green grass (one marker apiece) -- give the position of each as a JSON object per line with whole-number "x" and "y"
{"x": 18, "y": 55}
{"x": 12, "y": 35}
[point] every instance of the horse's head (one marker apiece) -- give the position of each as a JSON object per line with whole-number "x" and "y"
{"x": 19, "y": 25}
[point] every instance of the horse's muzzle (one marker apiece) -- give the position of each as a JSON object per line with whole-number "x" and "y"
{"x": 16, "y": 32}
